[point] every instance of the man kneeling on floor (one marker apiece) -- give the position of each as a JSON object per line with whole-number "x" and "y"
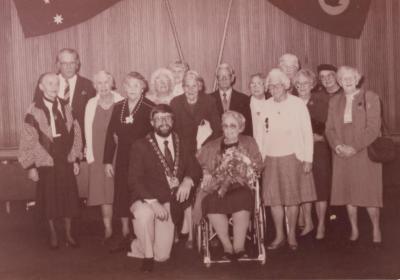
{"x": 162, "y": 176}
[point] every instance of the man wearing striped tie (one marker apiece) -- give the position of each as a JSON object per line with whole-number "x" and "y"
{"x": 228, "y": 98}
{"x": 74, "y": 89}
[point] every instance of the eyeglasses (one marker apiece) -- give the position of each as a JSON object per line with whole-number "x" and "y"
{"x": 303, "y": 84}
{"x": 67, "y": 64}
{"x": 276, "y": 86}
{"x": 229, "y": 125}
{"x": 223, "y": 78}
{"x": 327, "y": 76}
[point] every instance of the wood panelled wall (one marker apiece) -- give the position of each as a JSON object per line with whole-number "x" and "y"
{"x": 136, "y": 35}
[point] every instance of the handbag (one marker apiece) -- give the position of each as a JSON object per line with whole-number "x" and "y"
{"x": 383, "y": 149}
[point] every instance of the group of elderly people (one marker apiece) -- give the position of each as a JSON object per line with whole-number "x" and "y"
{"x": 307, "y": 139}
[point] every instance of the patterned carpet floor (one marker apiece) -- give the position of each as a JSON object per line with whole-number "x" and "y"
{"x": 24, "y": 253}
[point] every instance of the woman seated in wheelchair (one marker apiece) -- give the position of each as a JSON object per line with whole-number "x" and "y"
{"x": 230, "y": 169}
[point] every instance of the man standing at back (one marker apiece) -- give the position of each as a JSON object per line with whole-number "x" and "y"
{"x": 229, "y": 99}
{"x": 74, "y": 89}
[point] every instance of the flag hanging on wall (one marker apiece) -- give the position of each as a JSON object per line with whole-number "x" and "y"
{"x": 341, "y": 17}
{"x": 39, "y": 17}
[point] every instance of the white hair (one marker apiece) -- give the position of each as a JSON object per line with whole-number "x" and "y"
{"x": 240, "y": 119}
{"x": 191, "y": 74}
{"x": 278, "y": 74}
{"x": 227, "y": 67}
{"x": 348, "y": 69}
{"x": 161, "y": 72}
{"x": 103, "y": 73}
{"x": 308, "y": 74}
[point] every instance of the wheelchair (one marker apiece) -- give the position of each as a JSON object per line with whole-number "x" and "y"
{"x": 205, "y": 235}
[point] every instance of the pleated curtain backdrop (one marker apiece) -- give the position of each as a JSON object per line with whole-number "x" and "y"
{"x": 137, "y": 35}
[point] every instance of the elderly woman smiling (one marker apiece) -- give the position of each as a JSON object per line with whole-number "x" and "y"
{"x": 354, "y": 122}
{"x": 161, "y": 86}
{"x": 238, "y": 200}
{"x": 129, "y": 121}
{"x": 196, "y": 121}
{"x": 317, "y": 105}
{"x": 97, "y": 116}
{"x": 288, "y": 149}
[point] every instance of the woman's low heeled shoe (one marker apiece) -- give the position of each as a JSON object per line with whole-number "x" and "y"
{"x": 241, "y": 254}
{"x": 229, "y": 257}
{"x": 293, "y": 247}
{"x": 377, "y": 245}
{"x": 54, "y": 246}
{"x": 276, "y": 246}
{"x": 72, "y": 243}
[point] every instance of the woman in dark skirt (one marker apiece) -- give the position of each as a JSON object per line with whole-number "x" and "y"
{"x": 130, "y": 120}
{"x": 317, "y": 105}
{"x": 238, "y": 200}
{"x": 50, "y": 149}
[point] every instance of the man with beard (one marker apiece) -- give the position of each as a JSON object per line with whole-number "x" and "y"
{"x": 161, "y": 176}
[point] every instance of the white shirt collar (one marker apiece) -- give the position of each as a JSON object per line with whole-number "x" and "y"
{"x": 228, "y": 93}
{"x": 72, "y": 84}
{"x": 351, "y": 95}
{"x": 49, "y": 106}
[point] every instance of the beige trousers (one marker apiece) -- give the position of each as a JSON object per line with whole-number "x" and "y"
{"x": 154, "y": 237}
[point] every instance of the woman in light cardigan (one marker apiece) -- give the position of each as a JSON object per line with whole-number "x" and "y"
{"x": 288, "y": 148}
{"x": 97, "y": 116}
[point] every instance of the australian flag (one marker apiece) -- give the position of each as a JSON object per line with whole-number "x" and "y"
{"x": 39, "y": 17}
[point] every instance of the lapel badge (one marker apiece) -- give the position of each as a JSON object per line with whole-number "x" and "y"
{"x": 84, "y": 92}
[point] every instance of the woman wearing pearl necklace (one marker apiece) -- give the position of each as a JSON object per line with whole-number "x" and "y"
{"x": 129, "y": 121}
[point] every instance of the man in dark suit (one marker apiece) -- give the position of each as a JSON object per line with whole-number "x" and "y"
{"x": 74, "y": 89}
{"x": 161, "y": 176}
{"x": 229, "y": 99}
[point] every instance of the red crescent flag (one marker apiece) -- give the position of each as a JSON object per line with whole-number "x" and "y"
{"x": 341, "y": 17}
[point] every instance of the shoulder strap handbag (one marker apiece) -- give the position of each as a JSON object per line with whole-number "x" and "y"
{"x": 383, "y": 149}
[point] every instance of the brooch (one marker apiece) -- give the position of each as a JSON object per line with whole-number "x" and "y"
{"x": 129, "y": 119}
{"x": 83, "y": 92}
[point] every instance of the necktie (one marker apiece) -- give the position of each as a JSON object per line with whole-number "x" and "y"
{"x": 58, "y": 118}
{"x": 225, "y": 104}
{"x": 168, "y": 155}
{"x": 66, "y": 91}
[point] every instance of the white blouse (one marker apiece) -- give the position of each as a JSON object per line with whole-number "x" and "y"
{"x": 348, "y": 109}
{"x": 49, "y": 106}
{"x": 287, "y": 129}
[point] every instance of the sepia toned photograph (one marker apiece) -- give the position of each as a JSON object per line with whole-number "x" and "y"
{"x": 199, "y": 139}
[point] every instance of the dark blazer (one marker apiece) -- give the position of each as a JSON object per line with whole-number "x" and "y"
{"x": 147, "y": 180}
{"x": 186, "y": 121}
{"x": 318, "y": 108}
{"x": 239, "y": 102}
{"x": 84, "y": 90}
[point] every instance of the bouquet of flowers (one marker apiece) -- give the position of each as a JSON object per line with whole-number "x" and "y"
{"x": 234, "y": 168}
